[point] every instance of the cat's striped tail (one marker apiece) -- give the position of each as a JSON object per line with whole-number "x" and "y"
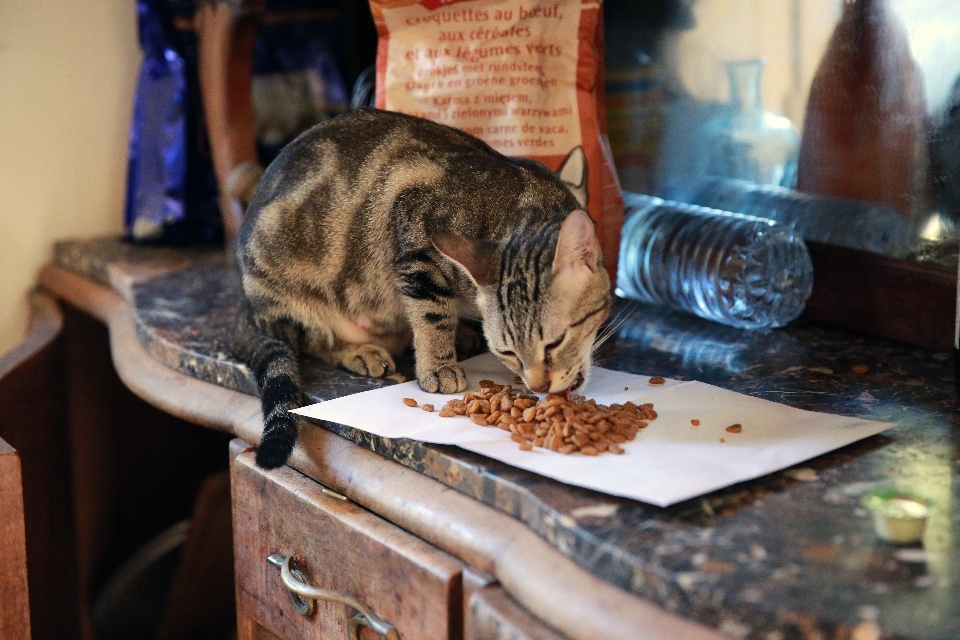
{"x": 274, "y": 365}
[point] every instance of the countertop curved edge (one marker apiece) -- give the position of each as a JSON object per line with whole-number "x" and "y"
{"x": 46, "y": 323}
{"x": 550, "y": 585}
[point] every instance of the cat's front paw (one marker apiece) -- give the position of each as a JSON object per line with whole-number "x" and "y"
{"x": 367, "y": 360}
{"x": 449, "y": 378}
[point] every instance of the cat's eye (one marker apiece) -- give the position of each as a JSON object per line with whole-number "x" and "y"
{"x": 556, "y": 343}
{"x": 508, "y": 354}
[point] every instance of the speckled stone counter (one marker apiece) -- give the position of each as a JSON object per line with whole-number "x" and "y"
{"x": 789, "y": 555}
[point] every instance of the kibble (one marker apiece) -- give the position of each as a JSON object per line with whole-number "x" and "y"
{"x": 427, "y": 407}
{"x": 410, "y": 402}
{"x": 735, "y": 428}
{"x": 695, "y": 423}
{"x": 554, "y": 422}
{"x": 658, "y": 380}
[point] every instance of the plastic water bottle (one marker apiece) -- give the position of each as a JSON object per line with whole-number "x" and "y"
{"x": 849, "y": 223}
{"x": 735, "y": 269}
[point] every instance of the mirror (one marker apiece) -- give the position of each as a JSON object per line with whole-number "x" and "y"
{"x": 840, "y": 117}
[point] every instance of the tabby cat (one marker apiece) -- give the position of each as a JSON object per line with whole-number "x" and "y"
{"x": 377, "y": 230}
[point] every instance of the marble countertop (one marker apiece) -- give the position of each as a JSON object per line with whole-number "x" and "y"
{"x": 789, "y": 555}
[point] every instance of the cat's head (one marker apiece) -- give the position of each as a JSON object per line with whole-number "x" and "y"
{"x": 542, "y": 297}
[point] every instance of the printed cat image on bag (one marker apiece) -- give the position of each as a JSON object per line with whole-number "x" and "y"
{"x": 376, "y": 231}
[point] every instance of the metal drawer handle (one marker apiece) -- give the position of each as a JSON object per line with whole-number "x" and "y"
{"x": 303, "y": 594}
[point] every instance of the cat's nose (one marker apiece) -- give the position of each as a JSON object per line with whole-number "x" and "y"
{"x": 537, "y": 379}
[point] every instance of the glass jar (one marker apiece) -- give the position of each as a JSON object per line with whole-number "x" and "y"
{"x": 748, "y": 142}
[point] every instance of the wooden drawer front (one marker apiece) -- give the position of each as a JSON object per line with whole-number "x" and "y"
{"x": 340, "y": 546}
{"x": 493, "y": 615}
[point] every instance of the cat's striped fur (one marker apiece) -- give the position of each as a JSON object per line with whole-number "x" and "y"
{"x": 378, "y": 230}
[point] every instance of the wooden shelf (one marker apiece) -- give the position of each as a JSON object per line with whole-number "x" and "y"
{"x": 908, "y": 302}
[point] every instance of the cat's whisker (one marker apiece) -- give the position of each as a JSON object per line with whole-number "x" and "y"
{"x": 611, "y": 328}
{"x": 604, "y": 362}
{"x": 600, "y": 342}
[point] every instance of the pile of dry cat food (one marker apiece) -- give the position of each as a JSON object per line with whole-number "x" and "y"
{"x": 554, "y": 422}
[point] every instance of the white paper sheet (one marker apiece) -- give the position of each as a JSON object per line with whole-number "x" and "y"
{"x": 669, "y": 461}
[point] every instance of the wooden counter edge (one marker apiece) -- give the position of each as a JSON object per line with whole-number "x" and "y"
{"x": 46, "y": 323}
{"x": 547, "y": 583}
{"x": 191, "y": 399}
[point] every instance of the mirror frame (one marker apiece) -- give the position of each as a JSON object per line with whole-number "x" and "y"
{"x": 900, "y": 300}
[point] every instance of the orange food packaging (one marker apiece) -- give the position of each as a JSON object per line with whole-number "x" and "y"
{"x": 525, "y": 77}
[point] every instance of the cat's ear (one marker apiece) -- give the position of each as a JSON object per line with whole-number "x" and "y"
{"x": 477, "y": 257}
{"x": 577, "y": 244}
{"x": 573, "y": 173}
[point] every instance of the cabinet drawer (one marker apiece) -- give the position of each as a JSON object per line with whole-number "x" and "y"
{"x": 493, "y": 615}
{"x": 339, "y": 546}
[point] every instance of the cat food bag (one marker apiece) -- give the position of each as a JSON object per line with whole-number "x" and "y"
{"x": 525, "y": 76}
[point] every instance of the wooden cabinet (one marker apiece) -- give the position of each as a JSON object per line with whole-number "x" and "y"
{"x": 493, "y": 615}
{"x": 14, "y": 607}
{"x": 337, "y": 545}
{"x": 431, "y": 561}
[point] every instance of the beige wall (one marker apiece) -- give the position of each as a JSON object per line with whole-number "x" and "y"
{"x": 790, "y": 34}
{"x": 67, "y": 72}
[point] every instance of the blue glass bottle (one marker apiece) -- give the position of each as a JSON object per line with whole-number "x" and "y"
{"x": 748, "y": 142}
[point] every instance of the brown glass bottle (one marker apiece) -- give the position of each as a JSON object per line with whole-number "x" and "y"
{"x": 865, "y": 113}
